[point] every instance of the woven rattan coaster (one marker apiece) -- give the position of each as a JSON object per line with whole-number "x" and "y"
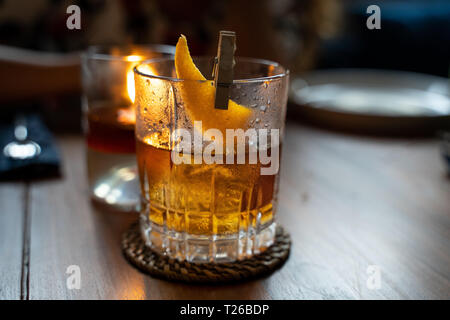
{"x": 150, "y": 262}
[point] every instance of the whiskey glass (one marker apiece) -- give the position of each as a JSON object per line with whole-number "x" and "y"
{"x": 202, "y": 211}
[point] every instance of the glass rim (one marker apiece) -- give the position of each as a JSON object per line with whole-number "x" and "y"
{"x": 91, "y": 53}
{"x": 283, "y": 74}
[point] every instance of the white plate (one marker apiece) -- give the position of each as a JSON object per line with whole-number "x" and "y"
{"x": 373, "y": 99}
{"x": 374, "y": 92}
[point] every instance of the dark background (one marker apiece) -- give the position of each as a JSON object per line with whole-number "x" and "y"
{"x": 301, "y": 34}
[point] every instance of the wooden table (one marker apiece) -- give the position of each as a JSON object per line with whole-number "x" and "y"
{"x": 349, "y": 203}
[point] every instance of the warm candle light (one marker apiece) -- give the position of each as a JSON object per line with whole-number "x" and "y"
{"x": 130, "y": 76}
{"x": 130, "y": 85}
{"x": 127, "y": 115}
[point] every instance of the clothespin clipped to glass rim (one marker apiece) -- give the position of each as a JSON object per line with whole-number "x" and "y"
{"x": 223, "y": 71}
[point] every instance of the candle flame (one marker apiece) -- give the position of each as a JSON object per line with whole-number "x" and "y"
{"x": 130, "y": 76}
{"x": 130, "y": 85}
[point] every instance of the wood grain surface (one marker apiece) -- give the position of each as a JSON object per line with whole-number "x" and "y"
{"x": 12, "y": 209}
{"x": 349, "y": 203}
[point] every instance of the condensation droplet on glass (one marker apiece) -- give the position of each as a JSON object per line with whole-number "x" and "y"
{"x": 263, "y": 108}
{"x": 253, "y": 105}
{"x": 268, "y": 101}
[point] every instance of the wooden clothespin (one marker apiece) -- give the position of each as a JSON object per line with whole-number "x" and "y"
{"x": 223, "y": 68}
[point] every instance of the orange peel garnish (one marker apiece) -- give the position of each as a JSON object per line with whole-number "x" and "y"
{"x": 198, "y": 96}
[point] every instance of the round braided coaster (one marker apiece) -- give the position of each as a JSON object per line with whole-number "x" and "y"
{"x": 154, "y": 264}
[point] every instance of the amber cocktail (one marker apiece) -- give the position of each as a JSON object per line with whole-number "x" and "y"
{"x": 204, "y": 199}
